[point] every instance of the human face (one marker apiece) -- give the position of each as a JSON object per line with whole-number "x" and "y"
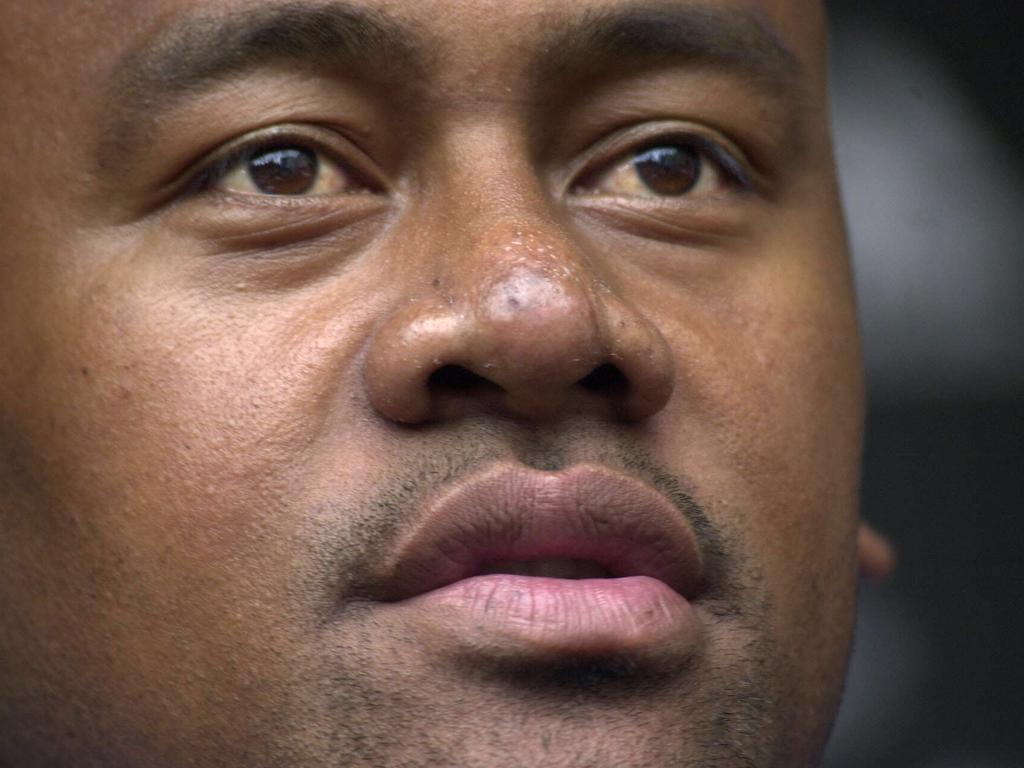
{"x": 422, "y": 383}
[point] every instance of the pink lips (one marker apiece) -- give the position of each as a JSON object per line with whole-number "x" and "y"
{"x": 514, "y": 554}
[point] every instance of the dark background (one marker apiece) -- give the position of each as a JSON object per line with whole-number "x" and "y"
{"x": 929, "y": 117}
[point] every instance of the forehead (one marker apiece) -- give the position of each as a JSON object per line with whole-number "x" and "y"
{"x": 485, "y": 40}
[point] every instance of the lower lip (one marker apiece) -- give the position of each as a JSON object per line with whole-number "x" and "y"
{"x": 562, "y": 616}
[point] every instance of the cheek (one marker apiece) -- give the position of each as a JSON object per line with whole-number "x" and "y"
{"x": 178, "y": 444}
{"x": 152, "y": 506}
{"x": 801, "y": 427}
{"x": 768, "y": 422}
{"x": 204, "y": 414}
{"x": 171, "y": 441}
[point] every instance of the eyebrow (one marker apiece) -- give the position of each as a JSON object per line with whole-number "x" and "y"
{"x": 741, "y": 43}
{"x": 201, "y": 51}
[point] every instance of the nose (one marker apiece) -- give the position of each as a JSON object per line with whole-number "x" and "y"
{"x": 520, "y": 327}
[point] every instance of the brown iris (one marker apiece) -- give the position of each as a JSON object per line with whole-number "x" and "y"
{"x": 668, "y": 170}
{"x": 284, "y": 171}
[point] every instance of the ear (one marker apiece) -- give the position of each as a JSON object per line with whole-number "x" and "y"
{"x": 876, "y": 557}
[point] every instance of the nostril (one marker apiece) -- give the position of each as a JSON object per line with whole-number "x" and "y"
{"x": 605, "y": 378}
{"x": 458, "y": 378}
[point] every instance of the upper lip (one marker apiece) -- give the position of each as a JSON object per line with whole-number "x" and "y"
{"x": 515, "y": 513}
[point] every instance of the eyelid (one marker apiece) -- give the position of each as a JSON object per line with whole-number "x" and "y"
{"x": 213, "y": 167}
{"x": 605, "y": 154}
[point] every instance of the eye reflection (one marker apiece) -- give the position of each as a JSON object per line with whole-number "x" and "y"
{"x": 668, "y": 170}
{"x": 285, "y": 170}
{"x": 662, "y": 170}
{"x": 288, "y": 171}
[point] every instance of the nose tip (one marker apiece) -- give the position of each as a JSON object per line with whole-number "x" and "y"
{"x": 532, "y": 336}
{"x": 537, "y": 331}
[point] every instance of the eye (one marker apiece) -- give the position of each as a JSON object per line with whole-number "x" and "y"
{"x": 671, "y": 168}
{"x": 284, "y": 170}
{"x": 280, "y": 167}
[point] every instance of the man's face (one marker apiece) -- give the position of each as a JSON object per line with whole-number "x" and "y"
{"x": 422, "y": 383}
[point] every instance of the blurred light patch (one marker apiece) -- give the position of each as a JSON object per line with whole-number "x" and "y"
{"x": 936, "y": 218}
{"x": 971, "y": 761}
{"x": 887, "y": 677}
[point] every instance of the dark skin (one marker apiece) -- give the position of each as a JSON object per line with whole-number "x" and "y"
{"x": 232, "y": 380}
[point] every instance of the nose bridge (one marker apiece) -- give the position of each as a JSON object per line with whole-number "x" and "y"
{"x": 526, "y": 289}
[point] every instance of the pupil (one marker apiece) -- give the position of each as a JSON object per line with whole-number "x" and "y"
{"x": 285, "y": 171}
{"x": 668, "y": 170}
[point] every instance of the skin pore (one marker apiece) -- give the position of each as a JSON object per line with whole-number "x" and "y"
{"x": 277, "y": 277}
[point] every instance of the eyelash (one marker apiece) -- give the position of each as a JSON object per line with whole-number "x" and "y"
{"x": 733, "y": 168}
{"x": 735, "y": 171}
{"x": 211, "y": 173}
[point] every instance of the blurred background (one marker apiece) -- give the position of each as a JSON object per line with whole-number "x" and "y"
{"x": 928, "y": 108}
